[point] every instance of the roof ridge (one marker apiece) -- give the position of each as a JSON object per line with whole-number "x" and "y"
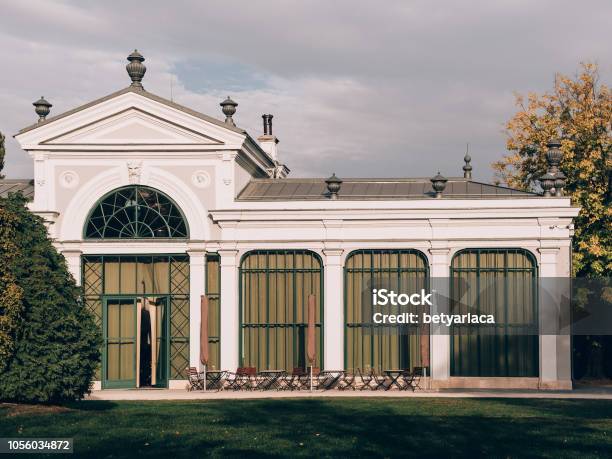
{"x": 141, "y": 92}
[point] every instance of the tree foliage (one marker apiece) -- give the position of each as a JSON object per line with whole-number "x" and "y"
{"x": 579, "y": 111}
{"x": 54, "y": 348}
{"x": 2, "y": 154}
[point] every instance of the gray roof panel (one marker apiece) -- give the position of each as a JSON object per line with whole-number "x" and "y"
{"x": 25, "y": 186}
{"x": 372, "y": 189}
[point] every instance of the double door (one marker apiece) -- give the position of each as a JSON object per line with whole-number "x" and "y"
{"x": 136, "y": 344}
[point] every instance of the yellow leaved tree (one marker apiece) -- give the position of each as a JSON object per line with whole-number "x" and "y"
{"x": 579, "y": 112}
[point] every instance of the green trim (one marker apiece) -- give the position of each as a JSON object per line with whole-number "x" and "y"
{"x": 177, "y": 342}
{"x": 371, "y": 271}
{"x": 259, "y": 323}
{"x": 505, "y": 269}
{"x": 117, "y": 383}
{"x": 111, "y": 207}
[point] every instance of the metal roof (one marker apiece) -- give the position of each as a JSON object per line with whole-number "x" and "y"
{"x": 372, "y": 189}
{"x": 143, "y": 93}
{"x": 24, "y": 186}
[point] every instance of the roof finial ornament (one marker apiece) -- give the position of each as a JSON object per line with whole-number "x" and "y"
{"x": 333, "y": 186}
{"x": 467, "y": 167}
{"x": 136, "y": 69}
{"x": 554, "y": 180}
{"x": 42, "y": 108}
{"x": 438, "y": 183}
{"x": 228, "y": 106}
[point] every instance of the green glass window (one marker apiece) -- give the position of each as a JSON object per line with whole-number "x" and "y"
{"x": 378, "y": 347}
{"x": 130, "y": 276}
{"x": 274, "y": 291}
{"x": 213, "y": 292}
{"x": 501, "y": 282}
{"x": 135, "y": 212}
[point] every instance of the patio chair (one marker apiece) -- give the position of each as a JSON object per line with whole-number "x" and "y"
{"x": 366, "y": 379}
{"x": 194, "y": 379}
{"x": 347, "y": 381}
{"x": 245, "y": 378}
{"x": 304, "y": 378}
{"x": 417, "y": 373}
{"x": 293, "y": 380}
{"x": 380, "y": 380}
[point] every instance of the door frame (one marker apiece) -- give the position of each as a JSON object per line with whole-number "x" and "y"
{"x": 131, "y": 383}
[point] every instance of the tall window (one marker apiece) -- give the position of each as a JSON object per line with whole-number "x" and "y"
{"x": 501, "y": 282}
{"x": 378, "y": 347}
{"x": 213, "y": 292}
{"x": 135, "y": 212}
{"x": 274, "y": 291}
{"x": 138, "y": 276}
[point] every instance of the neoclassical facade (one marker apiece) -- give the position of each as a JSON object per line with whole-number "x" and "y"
{"x": 154, "y": 204}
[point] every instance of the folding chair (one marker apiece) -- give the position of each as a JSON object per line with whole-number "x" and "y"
{"x": 195, "y": 381}
{"x": 366, "y": 379}
{"x": 347, "y": 382}
{"x": 245, "y": 378}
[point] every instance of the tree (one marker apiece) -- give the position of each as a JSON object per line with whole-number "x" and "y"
{"x": 55, "y": 345}
{"x": 11, "y": 295}
{"x": 579, "y": 111}
{"x": 2, "y": 153}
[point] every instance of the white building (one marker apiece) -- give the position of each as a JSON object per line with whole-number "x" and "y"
{"x": 146, "y": 198}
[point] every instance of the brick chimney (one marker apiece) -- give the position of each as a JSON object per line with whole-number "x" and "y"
{"x": 268, "y": 142}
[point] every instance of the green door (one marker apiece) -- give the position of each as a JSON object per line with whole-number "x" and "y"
{"x": 163, "y": 344}
{"x": 119, "y": 353}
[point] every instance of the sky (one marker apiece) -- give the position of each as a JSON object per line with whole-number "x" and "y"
{"x": 362, "y": 89}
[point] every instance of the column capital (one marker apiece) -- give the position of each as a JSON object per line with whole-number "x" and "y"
{"x": 440, "y": 251}
{"x": 228, "y": 257}
{"x": 333, "y": 252}
{"x": 548, "y": 250}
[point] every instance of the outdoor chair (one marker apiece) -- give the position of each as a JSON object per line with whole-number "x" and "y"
{"x": 347, "y": 382}
{"x": 417, "y": 373}
{"x": 245, "y": 378}
{"x": 366, "y": 379}
{"x": 379, "y": 381}
{"x": 293, "y": 380}
{"x": 194, "y": 379}
{"x": 305, "y": 378}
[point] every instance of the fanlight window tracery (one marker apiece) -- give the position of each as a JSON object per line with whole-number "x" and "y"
{"x": 135, "y": 212}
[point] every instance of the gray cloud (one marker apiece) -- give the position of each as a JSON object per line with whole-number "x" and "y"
{"x": 372, "y": 89}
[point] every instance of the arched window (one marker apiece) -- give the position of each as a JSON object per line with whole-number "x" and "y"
{"x": 274, "y": 290}
{"x": 135, "y": 212}
{"x": 502, "y": 283}
{"x": 378, "y": 347}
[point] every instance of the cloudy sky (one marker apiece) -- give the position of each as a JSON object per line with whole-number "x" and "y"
{"x": 379, "y": 89}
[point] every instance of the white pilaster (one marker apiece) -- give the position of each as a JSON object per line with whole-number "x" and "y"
{"x": 333, "y": 310}
{"x": 73, "y": 261}
{"x": 440, "y": 339}
{"x": 555, "y": 349}
{"x": 197, "y": 287}
{"x": 229, "y": 309}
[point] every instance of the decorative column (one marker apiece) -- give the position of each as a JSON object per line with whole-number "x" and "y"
{"x": 197, "y": 287}
{"x": 333, "y": 310}
{"x": 73, "y": 261}
{"x": 229, "y": 309}
{"x": 555, "y": 346}
{"x": 440, "y": 339}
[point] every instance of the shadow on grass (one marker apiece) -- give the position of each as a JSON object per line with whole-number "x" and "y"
{"x": 329, "y": 428}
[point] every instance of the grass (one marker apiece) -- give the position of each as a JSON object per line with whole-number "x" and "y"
{"x": 322, "y": 427}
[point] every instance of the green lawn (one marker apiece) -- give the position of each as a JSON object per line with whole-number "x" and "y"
{"x": 323, "y": 427}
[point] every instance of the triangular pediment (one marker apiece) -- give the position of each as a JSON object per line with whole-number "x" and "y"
{"x": 133, "y": 126}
